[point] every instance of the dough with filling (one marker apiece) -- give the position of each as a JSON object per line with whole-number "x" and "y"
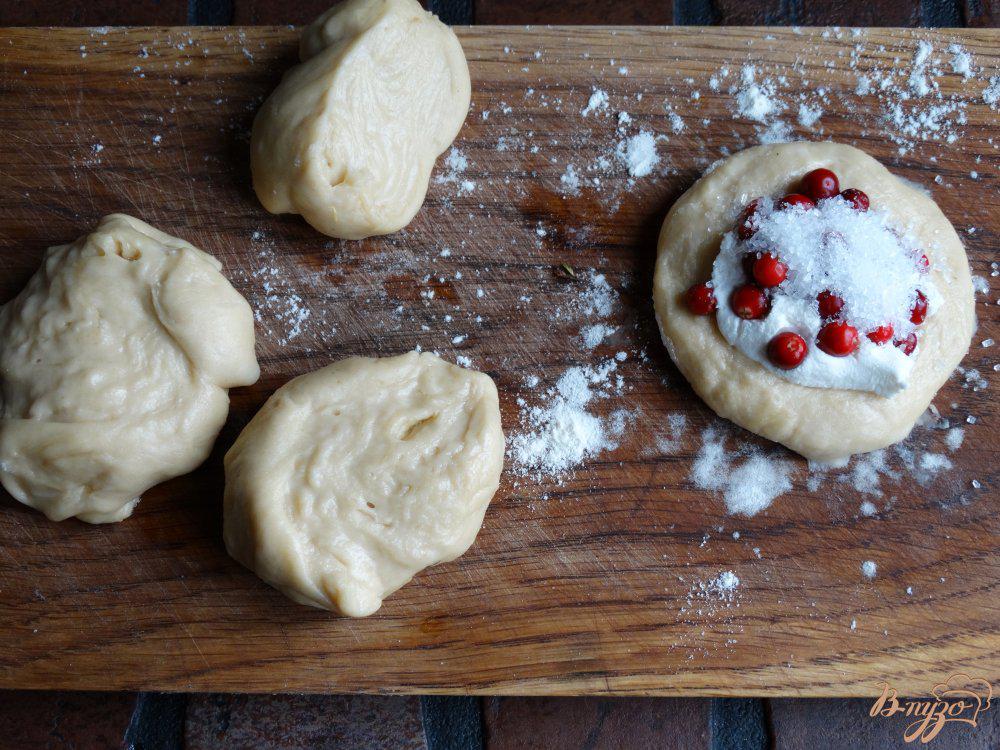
{"x": 349, "y": 137}
{"x": 354, "y": 477}
{"x": 822, "y": 424}
{"x": 115, "y": 362}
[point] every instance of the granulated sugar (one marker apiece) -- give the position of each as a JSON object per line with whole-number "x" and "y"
{"x": 961, "y": 61}
{"x": 991, "y": 94}
{"x": 869, "y": 569}
{"x": 570, "y": 180}
{"x": 747, "y": 487}
{"x": 704, "y": 597}
{"x": 598, "y": 102}
{"x": 861, "y": 256}
{"x": 756, "y": 101}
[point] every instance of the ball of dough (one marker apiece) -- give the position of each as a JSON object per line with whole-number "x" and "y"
{"x": 822, "y": 424}
{"x": 354, "y": 477}
{"x": 114, "y": 365}
{"x": 349, "y": 137}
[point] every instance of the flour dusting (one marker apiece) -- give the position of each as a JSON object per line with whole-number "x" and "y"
{"x": 748, "y": 486}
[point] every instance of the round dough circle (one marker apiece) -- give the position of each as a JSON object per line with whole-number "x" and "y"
{"x": 349, "y": 138}
{"x": 822, "y": 424}
{"x": 354, "y": 477}
{"x": 114, "y": 365}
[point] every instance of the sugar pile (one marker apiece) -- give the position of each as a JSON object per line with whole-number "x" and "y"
{"x": 598, "y": 102}
{"x": 858, "y": 255}
{"x": 746, "y": 487}
{"x": 561, "y": 432}
{"x": 869, "y": 569}
{"x": 756, "y": 101}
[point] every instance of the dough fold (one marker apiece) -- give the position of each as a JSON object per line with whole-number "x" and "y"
{"x": 354, "y": 477}
{"x": 114, "y": 365}
{"x": 349, "y": 138}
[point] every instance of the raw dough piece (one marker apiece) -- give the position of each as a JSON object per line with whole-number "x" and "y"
{"x": 822, "y": 424}
{"x": 114, "y": 365}
{"x": 354, "y": 477}
{"x": 350, "y": 136}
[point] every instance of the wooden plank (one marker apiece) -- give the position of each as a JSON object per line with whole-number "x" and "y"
{"x": 588, "y": 585}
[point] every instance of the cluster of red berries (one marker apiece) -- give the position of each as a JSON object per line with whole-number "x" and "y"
{"x": 765, "y": 271}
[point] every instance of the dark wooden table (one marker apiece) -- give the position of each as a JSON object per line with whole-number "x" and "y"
{"x": 103, "y": 720}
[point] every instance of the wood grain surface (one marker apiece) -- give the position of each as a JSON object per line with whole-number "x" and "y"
{"x": 587, "y": 584}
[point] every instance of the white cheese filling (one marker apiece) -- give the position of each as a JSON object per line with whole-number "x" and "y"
{"x": 860, "y": 257}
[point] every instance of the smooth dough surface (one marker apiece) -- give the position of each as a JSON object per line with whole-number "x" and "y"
{"x": 349, "y": 138}
{"x": 822, "y": 424}
{"x": 354, "y": 477}
{"x": 115, "y": 362}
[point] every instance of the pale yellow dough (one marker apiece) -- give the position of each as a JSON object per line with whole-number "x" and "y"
{"x": 114, "y": 365}
{"x": 354, "y": 477}
{"x": 349, "y": 137}
{"x": 822, "y": 424}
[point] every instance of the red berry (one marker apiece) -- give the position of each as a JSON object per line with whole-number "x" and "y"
{"x": 838, "y": 339}
{"x": 787, "y": 350}
{"x": 919, "y": 312}
{"x": 880, "y": 335}
{"x": 747, "y": 264}
{"x": 700, "y": 299}
{"x": 908, "y": 344}
{"x": 746, "y": 224}
{"x": 830, "y": 304}
{"x": 858, "y": 200}
{"x": 796, "y": 200}
{"x": 820, "y": 184}
{"x": 923, "y": 263}
{"x": 769, "y": 271}
{"x": 749, "y": 302}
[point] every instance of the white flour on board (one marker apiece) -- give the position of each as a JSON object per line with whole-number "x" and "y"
{"x": 561, "y": 432}
{"x": 749, "y": 480}
{"x": 456, "y": 162}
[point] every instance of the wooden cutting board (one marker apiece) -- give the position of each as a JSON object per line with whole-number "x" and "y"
{"x": 599, "y": 581}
